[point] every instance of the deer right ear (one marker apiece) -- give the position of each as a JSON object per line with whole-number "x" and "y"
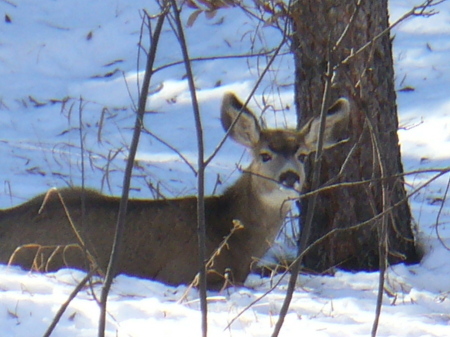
{"x": 336, "y": 125}
{"x": 246, "y": 130}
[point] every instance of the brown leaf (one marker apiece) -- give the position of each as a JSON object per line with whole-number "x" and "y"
{"x": 193, "y": 17}
{"x": 207, "y": 3}
{"x": 72, "y": 317}
{"x": 210, "y": 14}
{"x": 237, "y": 224}
{"x": 36, "y": 171}
{"x": 12, "y": 314}
{"x": 435, "y": 201}
{"x": 407, "y": 89}
{"x": 35, "y": 102}
{"x": 106, "y": 75}
{"x": 113, "y": 62}
{"x": 191, "y": 4}
{"x": 222, "y": 3}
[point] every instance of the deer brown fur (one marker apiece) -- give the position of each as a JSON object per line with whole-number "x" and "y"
{"x": 160, "y": 240}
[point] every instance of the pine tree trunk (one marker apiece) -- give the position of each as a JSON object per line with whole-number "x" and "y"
{"x": 368, "y": 81}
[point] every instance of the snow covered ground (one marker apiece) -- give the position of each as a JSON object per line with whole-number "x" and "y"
{"x": 52, "y": 53}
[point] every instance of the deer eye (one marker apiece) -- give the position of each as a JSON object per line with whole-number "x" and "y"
{"x": 302, "y": 157}
{"x": 265, "y": 157}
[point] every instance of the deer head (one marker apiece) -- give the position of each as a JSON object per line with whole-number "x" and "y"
{"x": 277, "y": 169}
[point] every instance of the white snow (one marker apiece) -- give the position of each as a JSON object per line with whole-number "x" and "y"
{"x": 53, "y": 53}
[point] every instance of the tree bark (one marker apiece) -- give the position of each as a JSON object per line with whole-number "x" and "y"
{"x": 368, "y": 81}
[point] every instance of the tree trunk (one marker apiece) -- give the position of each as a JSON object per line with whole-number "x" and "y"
{"x": 373, "y": 150}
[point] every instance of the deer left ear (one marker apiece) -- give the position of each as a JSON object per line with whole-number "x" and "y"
{"x": 246, "y": 130}
{"x": 336, "y": 122}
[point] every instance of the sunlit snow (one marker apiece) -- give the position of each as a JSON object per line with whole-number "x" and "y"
{"x": 74, "y": 62}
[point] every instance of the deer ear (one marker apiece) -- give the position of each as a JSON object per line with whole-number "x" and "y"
{"x": 336, "y": 123}
{"x": 246, "y": 130}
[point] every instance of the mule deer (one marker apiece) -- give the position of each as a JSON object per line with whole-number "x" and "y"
{"x": 160, "y": 240}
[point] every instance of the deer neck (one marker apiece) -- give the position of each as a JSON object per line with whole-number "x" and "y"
{"x": 258, "y": 208}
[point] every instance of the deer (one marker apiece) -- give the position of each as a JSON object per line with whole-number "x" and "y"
{"x": 75, "y": 227}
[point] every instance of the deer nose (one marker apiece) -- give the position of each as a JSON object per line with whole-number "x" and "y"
{"x": 289, "y": 178}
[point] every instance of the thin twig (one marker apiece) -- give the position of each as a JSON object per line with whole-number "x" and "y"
{"x": 201, "y": 226}
{"x": 382, "y": 228}
{"x": 369, "y": 181}
{"x": 64, "y": 306}
{"x": 162, "y": 141}
{"x": 348, "y": 26}
{"x": 120, "y": 225}
{"x": 444, "y": 198}
{"x": 75, "y": 230}
{"x": 83, "y": 182}
{"x": 306, "y": 227}
{"x": 252, "y": 92}
{"x": 218, "y": 57}
{"x": 80, "y": 121}
{"x": 415, "y": 11}
{"x": 335, "y": 231}
{"x": 237, "y": 225}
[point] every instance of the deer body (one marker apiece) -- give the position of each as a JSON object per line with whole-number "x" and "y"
{"x": 160, "y": 239}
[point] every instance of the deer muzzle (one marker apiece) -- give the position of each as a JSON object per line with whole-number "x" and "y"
{"x": 289, "y": 179}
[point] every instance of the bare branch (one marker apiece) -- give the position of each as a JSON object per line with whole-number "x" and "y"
{"x": 306, "y": 227}
{"x": 420, "y": 10}
{"x": 218, "y": 57}
{"x": 383, "y": 226}
{"x": 237, "y": 225}
{"x": 441, "y": 171}
{"x": 349, "y": 25}
{"x": 162, "y": 141}
{"x": 444, "y": 198}
{"x": 201, "y": 226}
{"x": 334, "y": 231}
{"x": 266, "y": 69}
{"x": 120, "y": 226}
{"x": 64, "y": 306}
